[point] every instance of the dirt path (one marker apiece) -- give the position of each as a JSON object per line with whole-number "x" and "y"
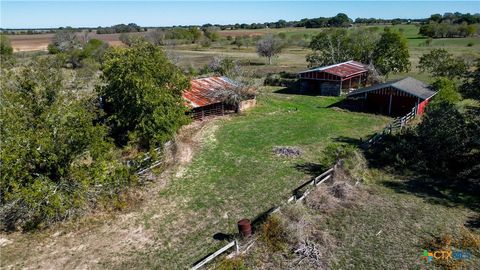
{"x": 106, "y": 240}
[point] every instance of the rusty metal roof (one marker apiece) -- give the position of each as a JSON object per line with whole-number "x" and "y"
{"x": 345, "y": 69}
{"x": 200, "y": 92}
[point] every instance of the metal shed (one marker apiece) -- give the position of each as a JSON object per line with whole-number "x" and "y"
{"x": 394, "y": 98}
{"x": 201, "y": 99}
{"x": 335, "y": 79}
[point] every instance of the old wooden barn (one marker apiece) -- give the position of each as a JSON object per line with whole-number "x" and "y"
{"x": 335, "y": 79}
{"x": 203, "y": 99}
{"x": 395, "y": 98}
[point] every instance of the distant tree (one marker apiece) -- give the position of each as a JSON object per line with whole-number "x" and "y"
{"x": 194, "y": 34}
{"x": 6, "y": 49}
{"x": 211, "y": 34}
{"x": 156, "y": 36}
{"x": 441, "y": 63}
{"x": 341, "y": 19}
{"x": 269, "y": 46}
{"x": 143, "y": 95}
{"x": 391, "y": 53}
{"x": 224, "y": 66}
{"x": 64, "y": 41}
{"x": 239, "y": 41}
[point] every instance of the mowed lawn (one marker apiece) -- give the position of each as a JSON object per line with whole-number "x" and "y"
{"x": 236, "y": 175}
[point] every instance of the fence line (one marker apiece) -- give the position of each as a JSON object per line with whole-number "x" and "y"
{"x": 215, "y": 254}
{"x": 396, "y": 124}
{"x": 315, "y": 182}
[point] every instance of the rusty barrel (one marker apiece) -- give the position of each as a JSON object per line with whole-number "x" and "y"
{"x": 245, "y": 227}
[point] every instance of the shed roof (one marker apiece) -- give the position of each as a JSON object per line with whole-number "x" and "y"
{"x": 408, "y": 85}
{"x": 345, "y": 69}
{"x": 200, "y": 92}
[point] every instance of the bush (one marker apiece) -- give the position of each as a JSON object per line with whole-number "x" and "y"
{"x": 281, "y": 79}
{"x": 273, "y": 233}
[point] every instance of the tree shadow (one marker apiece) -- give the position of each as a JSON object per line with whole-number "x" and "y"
{"x": 223, "y": 237}
{"x": 310, "y": 168}
{"x": 440, "y": 191}
{"x": 351, "y": 141}
{"x": 261, "y": 218}
{"x": 473, "y": 222}
{"x": 296, "y": 90}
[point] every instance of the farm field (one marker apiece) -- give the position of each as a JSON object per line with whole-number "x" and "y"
{"x": 234, "y": 175}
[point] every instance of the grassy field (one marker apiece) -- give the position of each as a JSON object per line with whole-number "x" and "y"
{"x": 235, "y": 175}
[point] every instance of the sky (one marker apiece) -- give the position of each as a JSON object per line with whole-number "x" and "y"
{"x": 45, "y": 14}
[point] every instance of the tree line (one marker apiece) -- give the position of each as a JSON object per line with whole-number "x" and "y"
{"x": 450, "y": 25}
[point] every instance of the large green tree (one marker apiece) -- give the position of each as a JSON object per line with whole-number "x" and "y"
{"x": 391, "y": 53}
{"x": 142, "y": 93}
{"x": 441, "y": 63}
{"x": 339, "y": 45}
{"x": 55, "y": 161}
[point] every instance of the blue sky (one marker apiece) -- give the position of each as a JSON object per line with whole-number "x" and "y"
{"x": 38, "y": 14}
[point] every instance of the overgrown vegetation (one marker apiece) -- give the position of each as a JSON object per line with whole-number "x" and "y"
{"x": 56, "y": 161}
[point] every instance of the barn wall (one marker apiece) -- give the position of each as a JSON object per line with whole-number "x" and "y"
{"x": 214, "y": 109}
{"x": 330, "y": 89}
{"x": 421, "y": 106}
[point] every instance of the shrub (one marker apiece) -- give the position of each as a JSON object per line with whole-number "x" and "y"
{"x": 236, "y": 263}
{"x": 273, "y": 233}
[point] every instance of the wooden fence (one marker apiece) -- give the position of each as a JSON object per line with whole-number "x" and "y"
{"x": 296, "y": 197}
{"x": 396, "y": 124}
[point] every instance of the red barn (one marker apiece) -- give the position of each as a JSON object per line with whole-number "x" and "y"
{"x": 395, "y": 98}
{"x": 335, "y": 79}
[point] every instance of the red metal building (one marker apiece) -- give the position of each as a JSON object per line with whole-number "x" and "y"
{"x": 335, "y": 79}
{"x": 202, "y": 99}
{"x": 395, "y": 98}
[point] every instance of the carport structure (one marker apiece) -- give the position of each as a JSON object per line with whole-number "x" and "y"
{"x": 395, "y": 98}
{"x": 335, "y": 79}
